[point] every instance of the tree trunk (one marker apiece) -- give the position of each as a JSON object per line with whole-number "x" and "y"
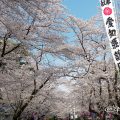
{"x": 21, "y": 109}
{"x": 115, "y": 89}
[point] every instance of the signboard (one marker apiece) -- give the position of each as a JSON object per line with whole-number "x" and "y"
{"x": 110, "y": 21}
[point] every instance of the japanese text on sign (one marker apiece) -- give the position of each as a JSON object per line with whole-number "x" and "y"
{"x": 108, "y": 13}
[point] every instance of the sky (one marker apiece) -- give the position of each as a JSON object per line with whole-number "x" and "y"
{"x": 83, "y": 9}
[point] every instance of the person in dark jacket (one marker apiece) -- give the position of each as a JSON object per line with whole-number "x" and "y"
{"x": 93, "y": 113}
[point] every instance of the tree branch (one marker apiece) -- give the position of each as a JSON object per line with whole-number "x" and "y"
{"x": 12, "y": 49}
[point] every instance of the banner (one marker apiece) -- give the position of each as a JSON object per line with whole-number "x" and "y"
{"x": 110, "y": 21}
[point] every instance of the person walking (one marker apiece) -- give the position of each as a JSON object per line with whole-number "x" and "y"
{"x": 93, "y": 113}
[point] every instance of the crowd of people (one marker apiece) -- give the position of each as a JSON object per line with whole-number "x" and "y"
{"x": 92, "y": 114}
{"x": 104, "y": 114}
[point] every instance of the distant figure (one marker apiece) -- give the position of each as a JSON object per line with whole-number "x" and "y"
{"x": 32, "y": 117}
{"x": 92, "y": 111}
{"x": 1, "y": 94}
{"x": 102, "y": 115}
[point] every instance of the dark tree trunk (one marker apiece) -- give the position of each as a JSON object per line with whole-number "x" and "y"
{"x": 22, "y": 107}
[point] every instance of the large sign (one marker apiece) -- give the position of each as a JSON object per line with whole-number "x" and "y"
{"x": 110, "y": 21}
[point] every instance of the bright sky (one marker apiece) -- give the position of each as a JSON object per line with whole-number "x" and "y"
{"x": 82, "y": 8}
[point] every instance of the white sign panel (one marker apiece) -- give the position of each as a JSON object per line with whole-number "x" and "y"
{"x": 108, "y": 12}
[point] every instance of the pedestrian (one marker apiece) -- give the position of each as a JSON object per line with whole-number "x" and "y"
{"x": 32, "y": 116}
{"x": 93, "y": 113}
